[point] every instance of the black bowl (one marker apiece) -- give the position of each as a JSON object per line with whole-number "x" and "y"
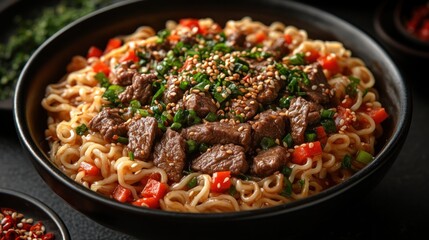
{"x": 33, "y": 208}
{"x": 47, "y": 65}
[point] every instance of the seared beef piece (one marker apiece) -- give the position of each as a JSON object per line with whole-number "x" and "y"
{"x": 140, "y": 89}
{"x": 220, "y": 133}
{"x": 248, "y": 108}
{"x": 188, "y": 40}
{"x": 269, "y": 91}
{"x": 237, "y": 39}
{"x": 269, "y": 161}
{"x": 279, "y": 48}
{"x": 141, "y": 136}
{"x": 301, "y": 114}
{"x": 169, "y": 154}
{"x": 202, "y": 105}
{"x": 269, "y": 123}
{"x": 123, "y": 73}
{"x": 109, "y": 123}
{"x": 318, "y": 90}
{"x": 172, "y": 92}
{"x": 227, "y": 157}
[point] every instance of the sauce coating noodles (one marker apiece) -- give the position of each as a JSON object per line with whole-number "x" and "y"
{"x": 202, "y": 118}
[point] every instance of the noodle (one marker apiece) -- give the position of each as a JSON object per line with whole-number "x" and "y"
{"x": 122, "y": 122}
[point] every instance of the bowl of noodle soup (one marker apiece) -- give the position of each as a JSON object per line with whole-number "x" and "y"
{"x": 228, "y": 114}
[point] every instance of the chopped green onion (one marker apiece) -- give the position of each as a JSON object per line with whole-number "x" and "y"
{"x": 131, "y": 155}
{"x": 267, "y": 142}
{"x": 193, "y": 182}
{"x": 364, "y": 157}
{"x": 329, "y": 125}
{"x": 284, "y": 102}
{"x": 327, "y": 113}
{"x": 288, "y": 140}
{"x": 347, "y": 161}
{"x": 287, "y": 188}
{"x": 102, "y": 79}
{"x": 297, "y": 59}
{"x": 176, "y": 126}
{"x": 211, "y": 117}
{"x": 82, "y": 129}
{"x": 286, "y": 171}
{"x": 122, "y": 140}
{"x": 191, "y": 146}
{"x": 203, "y": 147}
{"x": 310, "y": 136}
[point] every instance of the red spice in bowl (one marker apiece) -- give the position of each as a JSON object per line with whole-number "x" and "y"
{"x": 15, "y": 225}
{"x": 25, "y": 217}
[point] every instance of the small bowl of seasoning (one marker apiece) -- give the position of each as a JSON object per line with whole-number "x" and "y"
{"x": 24, "y": 217}
{"x": 412, "y": 21}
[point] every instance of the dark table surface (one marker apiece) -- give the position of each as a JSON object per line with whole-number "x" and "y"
{"x": 396, "y": 208}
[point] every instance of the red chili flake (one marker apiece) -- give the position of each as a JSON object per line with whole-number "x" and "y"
{"x": 14, "y": 225}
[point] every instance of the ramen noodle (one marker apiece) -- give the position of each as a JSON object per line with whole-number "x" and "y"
{"x": 199, "y": 117}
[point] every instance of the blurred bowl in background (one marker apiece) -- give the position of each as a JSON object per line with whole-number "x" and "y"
{"x": 34, "y": 209}
{"x": 410, "y": 53}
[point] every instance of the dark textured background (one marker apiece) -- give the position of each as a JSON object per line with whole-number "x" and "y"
{"x": 396, "y": 208}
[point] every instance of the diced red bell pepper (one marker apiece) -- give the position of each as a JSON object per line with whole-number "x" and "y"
{"x": 90, "y": 169}
{"x": 221, "y": 181}
{"x": 260, "y": 37}
{"x": 306, "y": 150}
{"x": 192, "y": 23}
{"x": 94, "y": 52}
{"x": 344, "y": 117}
{"x": 288, "y": 38}
{"x": 150, "y": 202}
{"x": 155, "y": 189}
{"x": 311, "y": 55}
{"x": 100, "y": 66}
{"x": 129, "y": 56}
{"x": 321, "y": 134}
{"x": 122, "y": 194}
{"x": 113, "y": 43}
{"x": 146, "y": 178}
{"x": 330, "y": 63}
{"x": 378, "y": 114}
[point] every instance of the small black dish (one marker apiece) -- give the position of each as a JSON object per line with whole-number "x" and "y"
{"x": 406, "y": 11}
{"x": 411, "y": 58}
{"x": 30, "y": 207}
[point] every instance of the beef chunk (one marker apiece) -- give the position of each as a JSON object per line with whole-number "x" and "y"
{"x": 169, "y": 154}
{"x": 228, "y": 157}
{"x": 318, "y": 90}
{"x": 123, "y": 74}
{"x": 269, "y": 123}
{"x": 237, "y": 39}
{"x": 301, "y": 114}
{"x": 202, "y": 105}
{"x": 246, "y": 108}
{"x": 141, "y": 136}
{"x": 220, "y": 133}
{"x": 269, "y": 161}
{"x": 279, "y": 48}
{"x": 109, "y": 123}
{"x": 140, "y": 89}
{"x": 269, "y": 92}
{"x": 172, "y": 92}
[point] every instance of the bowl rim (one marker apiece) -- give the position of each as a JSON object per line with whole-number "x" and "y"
{"x": 398, "y": 134}
{"x": 59, "y": 223}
